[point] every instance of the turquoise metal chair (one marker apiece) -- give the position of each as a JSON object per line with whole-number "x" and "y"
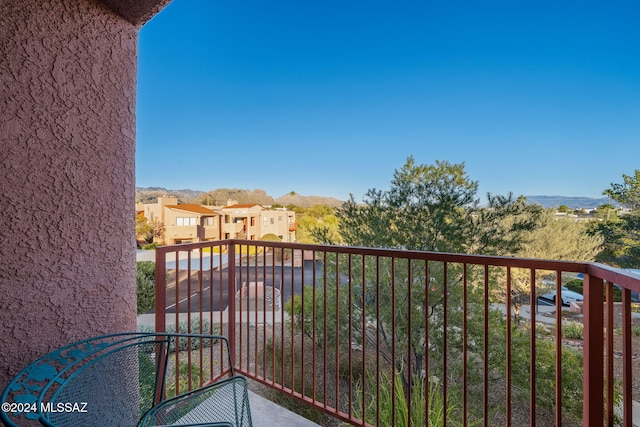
{"x": 123, "y": 379}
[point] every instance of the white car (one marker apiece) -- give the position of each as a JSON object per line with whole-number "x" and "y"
{"x": 568, "y": 296}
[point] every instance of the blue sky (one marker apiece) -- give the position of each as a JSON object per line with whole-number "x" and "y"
{"x": 329, "y": 98}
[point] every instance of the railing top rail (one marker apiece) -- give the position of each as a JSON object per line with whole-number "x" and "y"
{"x": 614, "y": 275}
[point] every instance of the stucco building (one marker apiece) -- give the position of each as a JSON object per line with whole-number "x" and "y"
{"x": 187, "y": 223}
{"x": 253, "y": 221}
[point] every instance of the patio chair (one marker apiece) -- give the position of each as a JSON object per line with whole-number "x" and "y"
{"x": 130, "y": 379}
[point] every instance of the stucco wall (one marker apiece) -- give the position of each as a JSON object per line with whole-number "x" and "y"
{"x": 67, "y": 152}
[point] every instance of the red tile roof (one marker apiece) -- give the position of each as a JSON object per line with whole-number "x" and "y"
{"x": 193, "y": 208}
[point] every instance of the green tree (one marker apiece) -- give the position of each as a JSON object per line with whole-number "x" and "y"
{"x": 143, "y": 228}
{"x": 148, "y": 230}
{"x": 318, "y": 220}
{"x": 428, "y": 207}
{"x": 627, "y": 193}
{"x": 434, "y": 208}
{"x": 622, "y": 233}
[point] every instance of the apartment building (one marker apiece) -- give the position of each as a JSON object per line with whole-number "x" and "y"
{"x": 253, "y": 221}
{"x": 187, "y": 223}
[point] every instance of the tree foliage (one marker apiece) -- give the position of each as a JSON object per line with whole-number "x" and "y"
{"x": 622, "y": 232}
{"x": 148, "y": 230}
{"x": 317, "y": 224}
{"x": 435, "y": 208}
{"x": 627, "y": 193}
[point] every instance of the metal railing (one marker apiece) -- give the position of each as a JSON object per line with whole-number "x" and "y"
{"x": 393, "y": 337}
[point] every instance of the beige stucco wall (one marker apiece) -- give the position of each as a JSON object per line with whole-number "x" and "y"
{"x": 67, "y": 184}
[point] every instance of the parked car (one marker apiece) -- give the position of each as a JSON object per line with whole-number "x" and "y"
{"x": 567, "y": 296}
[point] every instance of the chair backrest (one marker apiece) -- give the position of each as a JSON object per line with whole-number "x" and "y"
{"x": 109, "y": 380}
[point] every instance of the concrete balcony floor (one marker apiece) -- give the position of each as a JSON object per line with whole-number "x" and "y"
{"x": 265, "y": 413}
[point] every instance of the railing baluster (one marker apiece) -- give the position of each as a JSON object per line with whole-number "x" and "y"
{"x": 231, "y": 302}
{"x": 364, "y": 339}
{"x": 609, "y": 356}
{"x": 532, "y": 347}
{"x": 558, "y": 357}
{"x": 350, "y": 327}
{"x": 427, "y": 313}
{"x": 409, "y": 370}
{"x": 465, "y": 325}
{"x": 313, "y": 326}
{"x": 393, "y": 341}
{"x": 485, "y": 356}
{"x": 508, "y": 340}
{"x": 161, "y": 291}
{"x": 378, "y": 333}
{"x": 337, "y": 339}
{"x": 445, "y": 337}
{"x": 627, "y": 354}
{"x": 593, "y": 348}
{"x": 325, "y": 329}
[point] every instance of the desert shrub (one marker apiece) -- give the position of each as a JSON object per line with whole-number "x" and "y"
{"x": 407, "y": 412}
{"x": 573, "y": 331}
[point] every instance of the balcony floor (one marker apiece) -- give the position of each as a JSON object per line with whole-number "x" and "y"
{"x": 265, "y": 413}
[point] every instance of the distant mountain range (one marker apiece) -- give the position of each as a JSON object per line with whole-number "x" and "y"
{"x": 220, "y": 196}
{"x": 570, "y": 202}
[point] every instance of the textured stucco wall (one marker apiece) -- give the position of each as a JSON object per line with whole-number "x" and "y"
{"x": 67, "y": 152}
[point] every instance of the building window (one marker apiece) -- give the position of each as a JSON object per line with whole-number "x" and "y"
{"x": 273, "y": 221}
{"x": 186, "y": 221}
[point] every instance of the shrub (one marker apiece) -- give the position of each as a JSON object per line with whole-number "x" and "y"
{"x": 573, "y": 331}
{"x": 403, "y": 417}
{"x": 145, "y": 286}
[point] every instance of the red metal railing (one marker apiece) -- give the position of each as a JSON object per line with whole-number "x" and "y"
{"x": 392, "y": 337}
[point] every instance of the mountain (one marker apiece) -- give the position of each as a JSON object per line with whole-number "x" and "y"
{"x": 294, "y": 198}
{"x": 220, "y": 196}
{"x": 151, "y": 194}
{"x": 570, "y": 202}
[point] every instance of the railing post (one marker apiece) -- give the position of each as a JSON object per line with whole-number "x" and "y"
{"x": 593, "y": 365}
{"x": 231, "y": 305}
{"x": 161, "y": 291}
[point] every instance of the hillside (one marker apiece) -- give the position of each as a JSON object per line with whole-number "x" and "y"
{"x": 151, "y": 194}
{"x": 294, "y": 198}
{"x": 220, "y": 196}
